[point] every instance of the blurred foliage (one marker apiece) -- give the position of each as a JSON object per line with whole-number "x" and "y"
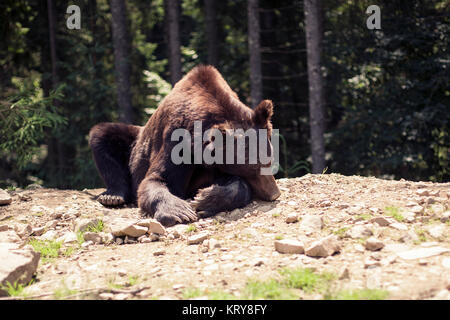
{"x": 24, "y": 118}
{"x": 387, "y": 90}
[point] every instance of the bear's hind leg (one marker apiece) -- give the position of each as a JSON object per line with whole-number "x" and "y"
{"x": 111, "y": 145}
{"x": 225, "y": 194}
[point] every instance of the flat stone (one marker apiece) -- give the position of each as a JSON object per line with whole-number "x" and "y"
{"x": 399, "y": 226}
{"x": 69, "y": 237}
{"x": 39, "y": 231}
{"x": 292, "y": 218}
{"x": 126, "y": 227}
{"x": 422, "y": 253}
{"x": 289, "y": 246}
{"x": 93, "y": 236}
{"x": 446, "y": 263}
{"x": 107, "y": 237}
{"x": 159, "y": 252}
{"x": 311, "y": 223}
{"x": 373, "y": 244}
{"x": 416, "y": 209}
{"x": 324, "y": 247}
{"x": 49, "y": 235}
{"x": 422, "y": 192}
{"x": 155, "y": 227}
{"x": 17, "y": 265}
{"x": 198, "y": 238}
{"x": 437, "y": 231}
{"x": 359, "y": 231}
{"x": 83, "y": 224}
{"x": 382, "y": 222}
{"x": 9, "y": 236}
{"x": 5, "y": 198}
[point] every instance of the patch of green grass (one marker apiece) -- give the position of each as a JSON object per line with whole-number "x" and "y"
{"x": 360, "y": 294}
{"x": 269, "y": 290}
{"x": 221, "y": 295}
{"x": 275, "y": 214}
{"x": 132, "y": 280}
{"x": 307, "y": 280}
{"x": 80, "y": 237}
{"x": 394, "y": 212}
{"x": 49, "y": 249}
{"x": 191, "y": 228}
{"x": 190, "y": 293}
{"x": 63, "y": 292}
{"x": 16, "y": 289}
{"x": 341, "y": 232}
{"x": 421, "y": 234}
{"x": 11, "y": 188}
{"x": 96, "y": 228}
{"x": 279, "y": 237}
{"x": 37, "y": 214}
{"x": 364, "y": 216}
{"x": 113, "y": 285}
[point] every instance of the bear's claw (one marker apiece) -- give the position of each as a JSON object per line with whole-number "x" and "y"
{"x": 110, "y": 200}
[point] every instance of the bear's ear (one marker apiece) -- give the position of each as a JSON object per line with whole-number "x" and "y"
{"x": 263, "y": 113}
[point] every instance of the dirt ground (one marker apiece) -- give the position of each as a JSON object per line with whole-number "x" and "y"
{"x": 240, "y": 244}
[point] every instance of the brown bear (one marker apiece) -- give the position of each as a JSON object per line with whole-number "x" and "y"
{"x": 135, "y": 162}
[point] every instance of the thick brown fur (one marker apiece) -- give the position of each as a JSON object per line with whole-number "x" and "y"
{"x": 135, "y": 162}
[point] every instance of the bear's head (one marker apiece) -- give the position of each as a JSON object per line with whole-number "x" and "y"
{"x": 246, "y": 149}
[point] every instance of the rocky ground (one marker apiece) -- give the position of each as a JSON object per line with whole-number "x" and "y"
{"x": 391, "y": 237}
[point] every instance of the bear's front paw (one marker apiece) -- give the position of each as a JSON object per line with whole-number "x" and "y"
{"x": 111, "y": 199}
{"x": 175, "y": 211}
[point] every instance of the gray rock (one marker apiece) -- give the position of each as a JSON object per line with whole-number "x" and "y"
{"x": 422, "y": 253}
{"x": 159, "y": 252}
{"x": 381, "y": 221}
{"x": 373, "y": 244}
{"x": 198, "y": 238}
{"x": 49, "y": 235}
{"x": 126, "y": 227}
{"x": 289, "y": 246}
{"x": 17, "y": 265}
{"x": 83, "y": 224}
{"x": 311, "y": 223}
{"x": 359, "y": 231}
{"x": 399, "y": 226}
{"x": 156, "y": 227}
{"x": 107, "y": 237}
{"x": 69, "y": 237}
{"x": 39, "y": 231}
{"x": 437, "y": 231}
{"x": 324, "y": 247}
{"x": 416, "y": 209}
{"x": 422, "y": 192}
{"x": 9, "y": 236}
{"x": 292, "y": 218}
{"x": 5, "y": 198}
{"x": 93, "y": 236}
{"x": 87, "y": 244}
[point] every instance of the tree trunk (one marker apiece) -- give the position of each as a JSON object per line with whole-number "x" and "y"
{"x": 316, "y": 97}
{"x": 173, "y": 26}
{"x": 55, "y": 147}
{"x": 211, "y": 31}
{"x": 255, "y": 53}
{"x": 121, "y": 59}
